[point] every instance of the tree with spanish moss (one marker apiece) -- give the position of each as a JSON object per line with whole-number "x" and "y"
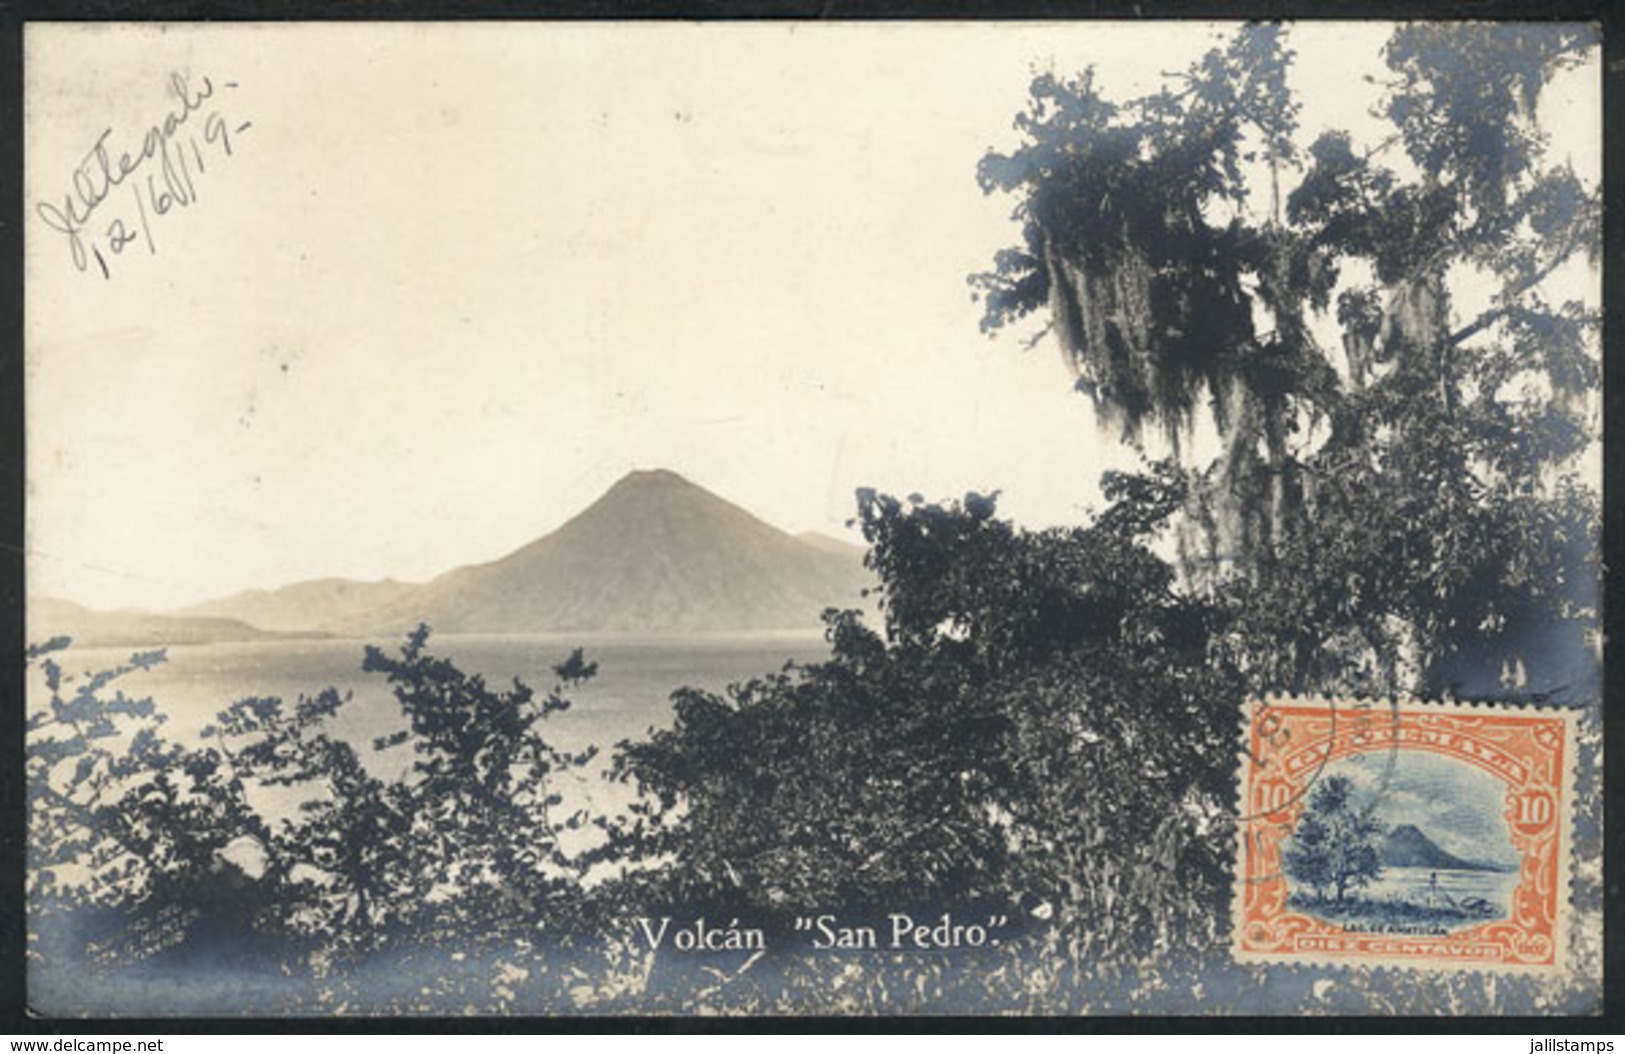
{"x": 1401, "y": 394}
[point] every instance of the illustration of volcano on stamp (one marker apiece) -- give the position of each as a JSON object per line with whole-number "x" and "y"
{"x": 1425, "y": 835}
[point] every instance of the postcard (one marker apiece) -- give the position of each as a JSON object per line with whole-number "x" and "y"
{"x": 608, "y": 518}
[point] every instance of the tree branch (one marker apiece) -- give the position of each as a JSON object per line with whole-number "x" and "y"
{"x": 1495, "y": 314}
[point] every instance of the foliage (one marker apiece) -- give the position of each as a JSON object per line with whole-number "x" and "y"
{"x": 136, "y": 837}
{"x": 464, "y": 845}
{"x": 123, "y": 825}
{"x": 1334, "y": 844}
{"x": 1038, "y": 725}
{"x": 1400, "y": 508}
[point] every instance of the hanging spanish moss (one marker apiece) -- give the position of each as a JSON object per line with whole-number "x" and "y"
{"x": 1415, "y": 321}
{"x": 1146, "y": 314}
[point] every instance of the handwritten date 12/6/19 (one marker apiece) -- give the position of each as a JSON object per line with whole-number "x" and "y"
{"x": 115, "y": 196}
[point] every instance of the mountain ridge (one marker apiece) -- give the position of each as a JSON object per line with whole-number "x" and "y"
{"x": 655, "y": 553}
{"x": 287, "y": 608}
{"x": 50, "y": 617}
{"x": 1407, "y": 846}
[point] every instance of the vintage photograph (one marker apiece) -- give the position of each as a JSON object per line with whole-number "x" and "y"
{"x": 674, "y": 519}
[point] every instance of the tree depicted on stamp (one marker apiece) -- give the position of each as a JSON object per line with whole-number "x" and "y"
{"x": 1433, "y": 836}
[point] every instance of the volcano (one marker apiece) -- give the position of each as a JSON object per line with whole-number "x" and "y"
{"x": 656, "y": 554}
{"x": 1407, "y": 846}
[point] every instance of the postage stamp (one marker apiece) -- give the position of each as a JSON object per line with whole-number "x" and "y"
{"x": 1433, "y": 836}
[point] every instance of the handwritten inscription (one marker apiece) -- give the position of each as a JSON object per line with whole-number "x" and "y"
{"x": 116, "y": 196}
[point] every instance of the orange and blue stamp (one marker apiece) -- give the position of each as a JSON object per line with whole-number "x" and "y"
{"x": 1387, "y": 833}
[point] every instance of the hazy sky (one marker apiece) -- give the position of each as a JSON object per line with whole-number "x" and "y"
{"x": 453, "y": 281}
{"x": 1461, "y": 808}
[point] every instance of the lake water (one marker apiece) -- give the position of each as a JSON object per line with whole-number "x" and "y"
{"x": 1423, "y": 900}
{"x": 1413, "y": 885}
{"x": 629, "y": 696}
